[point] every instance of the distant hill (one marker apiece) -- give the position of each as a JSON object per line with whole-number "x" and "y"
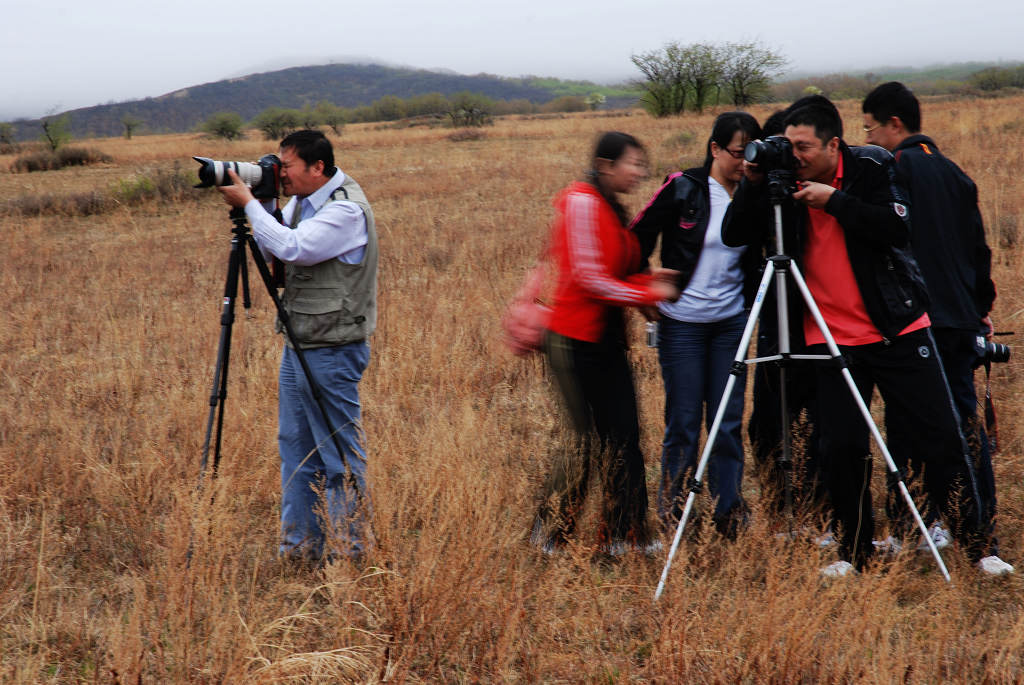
{"x": 347, "y": 85}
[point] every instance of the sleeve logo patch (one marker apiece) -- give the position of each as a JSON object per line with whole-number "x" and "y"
{"x": 901, "y": 210}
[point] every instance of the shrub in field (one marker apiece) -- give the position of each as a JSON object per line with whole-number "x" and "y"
{"x": 277, "y": 122}
{"x": 163, "y": 184}
{"x": 226, "y": 125}
{"x": 88, "y": 203}
{"x": 36, "y": 161}
{"x": 81, "y": 156}
{"x": 48, "y": 160}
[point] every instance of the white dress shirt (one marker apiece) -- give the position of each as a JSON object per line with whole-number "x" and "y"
{"x": 337, "y": 230}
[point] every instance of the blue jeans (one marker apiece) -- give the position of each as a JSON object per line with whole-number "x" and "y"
{"x": 320, "y": 499}
{"x": 695, "y": 362}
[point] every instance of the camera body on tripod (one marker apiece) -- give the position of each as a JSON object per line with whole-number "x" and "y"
{"x": 774, "y": 157}
{"x": 262, "y": 177}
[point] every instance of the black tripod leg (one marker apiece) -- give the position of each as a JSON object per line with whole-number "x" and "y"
{"x": 219, "y": 392}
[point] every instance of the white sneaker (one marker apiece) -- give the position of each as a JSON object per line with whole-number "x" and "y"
{"x": 838, "y": 569}
{"x": 889, "y": 546}
{"x": 994, "y": 566}
{"x": 620, "y": 548}
{"x": 826, "y": 539}
{"x": 940, "y": 536}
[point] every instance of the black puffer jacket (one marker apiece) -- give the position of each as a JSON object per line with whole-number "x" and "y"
{"x": 679, "y": 212}
{"x": 874, "y": 213}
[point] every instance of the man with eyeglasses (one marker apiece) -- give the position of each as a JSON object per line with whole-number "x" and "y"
{"x": 948, "y": 240}
{"x": 848, "y": 225}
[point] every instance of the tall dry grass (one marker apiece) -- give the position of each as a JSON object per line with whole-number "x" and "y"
{"x": 108, "y": 339}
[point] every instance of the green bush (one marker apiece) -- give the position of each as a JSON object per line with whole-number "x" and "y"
{"x": 166, "y": 185}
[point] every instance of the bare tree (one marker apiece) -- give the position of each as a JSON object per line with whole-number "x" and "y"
{"x": 748, "y": 70}
{"x": 664, "y": 90}
{"x": 701, "y": 71}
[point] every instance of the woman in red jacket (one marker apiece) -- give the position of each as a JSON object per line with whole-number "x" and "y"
{"x": 598, "y": 262}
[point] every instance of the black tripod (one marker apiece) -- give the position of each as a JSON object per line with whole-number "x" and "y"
{"x": 778, "y": 267}
{"x": 237, "y": 269}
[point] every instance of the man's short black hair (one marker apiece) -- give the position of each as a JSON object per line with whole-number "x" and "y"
{"x": 775, "y": 125}
{"x": 311, "y": 147}
{"x": 893, "y": 99}
{"x": 819, "y": 112}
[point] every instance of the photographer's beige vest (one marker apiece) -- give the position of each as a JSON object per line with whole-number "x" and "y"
{"x": 332, "y": 303}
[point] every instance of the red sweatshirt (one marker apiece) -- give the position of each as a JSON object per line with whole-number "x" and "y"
{"x": 598, "y": 260}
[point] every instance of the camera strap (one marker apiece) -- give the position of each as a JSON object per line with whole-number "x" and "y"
{"x": 991, "y": 422}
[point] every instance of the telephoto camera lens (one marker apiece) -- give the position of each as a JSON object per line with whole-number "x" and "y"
{"x": 997, "y": 353}
{"x": 213, "y": 172}
{"x": 262, "y": 177}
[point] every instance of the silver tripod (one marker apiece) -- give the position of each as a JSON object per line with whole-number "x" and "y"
{"x": 779, "y": 266}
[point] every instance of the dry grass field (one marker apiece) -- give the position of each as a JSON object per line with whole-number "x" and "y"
{"x": 109, "y": 335}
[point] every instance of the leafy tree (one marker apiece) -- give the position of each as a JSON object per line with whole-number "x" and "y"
{"x": 389, "y": 108}
{"x": 130, "y": 123}
{"x": 56, "y": 130}
{"x": 329, "y": 114}
{"x": 996, "y": 78}
{"x": 425, "y": 105}
{"x": 470, "y": 109}
{"x": 277, "y": 122}
{"x": 226, "y": 125}
{"x": 594, "y": 101}
{"x": 307, "y": 117}
{"x": 6, "y": 134}
{"x": 748, "y": 69}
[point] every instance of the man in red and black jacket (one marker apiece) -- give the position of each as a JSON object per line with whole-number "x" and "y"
{"x": 948, "y": 240}
{"x": 848, "y": 227}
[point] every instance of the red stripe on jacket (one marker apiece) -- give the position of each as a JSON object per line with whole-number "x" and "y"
{"x": 598, "y": 259}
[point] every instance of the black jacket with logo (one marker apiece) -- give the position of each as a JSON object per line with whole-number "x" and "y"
{"x": 947, "y": 235}
{"x": 874, "y": 214}
{"x": 679, "y": 212}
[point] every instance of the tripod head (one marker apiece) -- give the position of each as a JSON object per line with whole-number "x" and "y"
{"x": 781, "y": 184}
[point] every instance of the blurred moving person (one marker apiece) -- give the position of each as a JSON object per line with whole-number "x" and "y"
{"x": 599, "y": 273}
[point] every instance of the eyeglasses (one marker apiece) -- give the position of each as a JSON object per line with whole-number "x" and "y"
{"x": 869, "y": 129}
{"x": 736, "y": 154}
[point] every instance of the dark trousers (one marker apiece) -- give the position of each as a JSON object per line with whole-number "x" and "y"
{"x": 766, "y": 425}
{"x": 959, "y": 354}
{"x": 696, "y": 359}
{"x": 596, "y": 384}
{"x": 910, "y": 379}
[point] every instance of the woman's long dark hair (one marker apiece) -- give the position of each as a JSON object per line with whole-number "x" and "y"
{"x": 611, "y": 146}
{"x": 725, "y": 128}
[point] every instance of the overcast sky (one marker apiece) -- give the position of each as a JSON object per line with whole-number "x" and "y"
{"x": 59, "y": 55}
